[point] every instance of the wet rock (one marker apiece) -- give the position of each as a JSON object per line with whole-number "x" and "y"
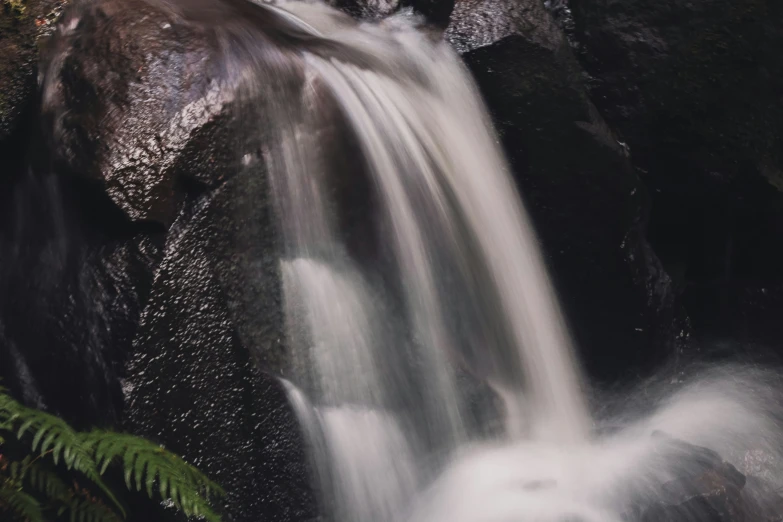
{"x": 763, "y": 502}
{"x": 704, "y": 488}
{"x": 435, "y": 12}
{"x": 193, "y": 384}
{"x": 22, "y": 22}
{"x": 148, "y": 105}
{"x": 74, "y": 275}
{"x": 694, "y": 89}
{"x": 476, "y": 23}
{"x": 586, "y": 201}
{"x": 140, "y": 97}
{"x": 713, "y": 495}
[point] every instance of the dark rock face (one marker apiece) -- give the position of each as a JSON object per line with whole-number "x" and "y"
{"x": 127, "y": 112}
{"x": 618, "y": 299}
{"x": 74, "y": 275}
{"x": 436, "y": 12}
{"x": 192, "y": 382}
{"x": 144, "y": 101}
{"x": 22, "y": 22}
{"x": 694, "y": 88}
{"x": 126, "y": 243}
{"x": 478, "y": 23}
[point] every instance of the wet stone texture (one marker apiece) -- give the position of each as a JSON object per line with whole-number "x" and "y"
{"x": 138, "y": 266}
{"x": 74, "y": 276}
{"x": 694, "y": 89}
{"x": 127, "y": 92}
{"x": 192, "y": 383}
{"x": 586, "y": 200}
{"x": 22, "y": 23}
{"x": 706, "y": 488}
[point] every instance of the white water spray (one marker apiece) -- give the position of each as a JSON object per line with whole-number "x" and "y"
{"x": 376, "y": 358}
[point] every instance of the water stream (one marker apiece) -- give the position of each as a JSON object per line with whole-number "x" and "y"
{"x": 391, "y": 361}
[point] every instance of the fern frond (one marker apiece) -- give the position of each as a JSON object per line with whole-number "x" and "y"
{"x": 79, "y": 506}
{"x": 50, "y": 431}
{"x": 145, "y": 463}
{"x": 5, "y": 426}
{"x": 40, "y": 478}
{"x": 87, "y": 510}
{"x": 19, "y": 503}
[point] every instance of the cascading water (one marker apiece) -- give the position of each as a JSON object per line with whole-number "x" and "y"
{"x": 376, "y": 358}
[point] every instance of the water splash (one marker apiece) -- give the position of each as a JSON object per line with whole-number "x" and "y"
{"x": 732, "y": 413}
{"x": 381, "y": 351}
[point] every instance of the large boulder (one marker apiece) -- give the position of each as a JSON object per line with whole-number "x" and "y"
{"x": 586, "y": 200}
{"x": 95, "y": 182}
{"x": 694, "y": 89}
{"x": 195, "y": 381}
{"x": 131, "y": 100}
{"x": 145, "y": 102}
{"x": 703, "y": 487}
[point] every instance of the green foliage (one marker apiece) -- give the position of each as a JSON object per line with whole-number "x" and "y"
{"x": 19, "y": 503}
{"x": 45, "y": 482}
{"x": 146, "y": 463}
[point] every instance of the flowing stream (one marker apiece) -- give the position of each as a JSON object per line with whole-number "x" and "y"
{"x": 401, "y": 360}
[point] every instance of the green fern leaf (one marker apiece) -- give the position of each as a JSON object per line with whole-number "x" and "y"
{"x": 48, "y": 442}
{"x": 128, "y": 460}
{"x": 57, "y": 450}
{"x": 173, "y": 493}
{"x": 163, "y": 481}
{"x": 23, "y": 428}
{"x": 39, "y": 435}
{"x": 68, "y": 456}
{"x": 138, "y": 472}
{"x": 143, "y": 463}
{"x": 20, "y": 503}
{"x": 76, "y": 456}
{"x": 151, "y": 474}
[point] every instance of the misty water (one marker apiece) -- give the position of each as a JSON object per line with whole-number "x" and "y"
{"x": 441, "y": 384}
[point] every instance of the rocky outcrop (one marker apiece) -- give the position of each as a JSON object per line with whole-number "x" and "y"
{"x": 74, "y": 276}
{"x": 694, "y": 89}
{"x": 145, "y": 106}
{"x": 586, "y": 200}
{"x": 194, "y": 380}
{"x": 132, "y": 99}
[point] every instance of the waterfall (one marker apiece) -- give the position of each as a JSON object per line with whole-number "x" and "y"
{"x": 381, "y": 357}
{"x": 445, "y": 307}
